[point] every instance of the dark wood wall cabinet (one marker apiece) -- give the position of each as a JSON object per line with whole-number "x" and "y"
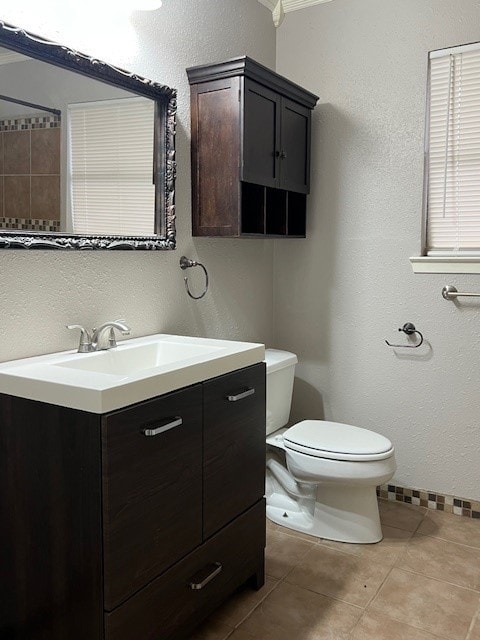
{"x": 250, "y": 151}
{"x": 133, "y": 525}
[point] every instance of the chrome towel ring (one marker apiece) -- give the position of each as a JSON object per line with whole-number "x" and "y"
{"x": 186, "y": 263}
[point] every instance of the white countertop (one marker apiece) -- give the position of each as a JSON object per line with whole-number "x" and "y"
{"x": 136, "y": 370}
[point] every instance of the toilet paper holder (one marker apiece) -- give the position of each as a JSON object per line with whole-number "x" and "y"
{"x": 409, "y": 329}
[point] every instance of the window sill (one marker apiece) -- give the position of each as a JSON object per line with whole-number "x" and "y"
{"x": 446, "y": 264}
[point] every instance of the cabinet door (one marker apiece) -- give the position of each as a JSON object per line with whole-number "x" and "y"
{"x": 261, "y": 135}
{"x": 152, "y": 489}
{"x": 295, "y": 147}
{"x": 234, "y": 446}
{"x": 215, "y": 110}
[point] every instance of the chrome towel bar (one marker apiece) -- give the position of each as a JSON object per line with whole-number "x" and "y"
{"x": 449, "y": 292}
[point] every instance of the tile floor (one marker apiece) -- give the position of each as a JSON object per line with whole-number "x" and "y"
{"x": 422, "y": 582}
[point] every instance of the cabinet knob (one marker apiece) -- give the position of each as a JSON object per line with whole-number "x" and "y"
{"x": 283, "y": 155}
{"x": 277, "y": 154}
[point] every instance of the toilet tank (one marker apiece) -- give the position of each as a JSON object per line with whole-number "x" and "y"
{"x": 280, "y": 375}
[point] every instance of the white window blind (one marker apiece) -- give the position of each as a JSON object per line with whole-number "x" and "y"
{"x": 111, "y": 167}
{"x": 453, "y": 160}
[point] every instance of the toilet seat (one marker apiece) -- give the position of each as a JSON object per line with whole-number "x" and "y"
{"x": 336, "y": 441}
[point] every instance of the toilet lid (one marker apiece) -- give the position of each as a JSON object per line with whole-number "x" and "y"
{"x": 338, "y": 441}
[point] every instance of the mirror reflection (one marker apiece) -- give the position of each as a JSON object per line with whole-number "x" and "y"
{"x": 76, "y": 154}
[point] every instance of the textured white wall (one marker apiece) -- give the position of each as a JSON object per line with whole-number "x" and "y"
{"x": 42, "y": 291}
{"x": 350, "y": 285}
{"x": 338, "y": 293}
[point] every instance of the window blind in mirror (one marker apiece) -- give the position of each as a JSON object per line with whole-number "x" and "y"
{"x": 111, "y": 146}
{"x": 453, "y": 151}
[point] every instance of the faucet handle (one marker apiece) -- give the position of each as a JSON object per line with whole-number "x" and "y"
{"x": 112, "y": 342}
{"x": 85, "y": 345}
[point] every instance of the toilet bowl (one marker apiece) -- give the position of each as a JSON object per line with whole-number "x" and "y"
{"x": 321, "y": 476}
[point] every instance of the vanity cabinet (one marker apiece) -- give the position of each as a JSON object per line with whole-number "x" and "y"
{"x": 132, "y": 525}
{"x": 251, "y": 131}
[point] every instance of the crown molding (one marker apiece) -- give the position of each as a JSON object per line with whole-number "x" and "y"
{"x": 280, "y": 7}
{"x": 295, "y": 5}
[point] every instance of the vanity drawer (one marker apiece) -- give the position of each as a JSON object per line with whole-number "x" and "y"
{"x": 152, "y": 490}
{"x": 170, "y": 606}
{"x": 234, "y": 445}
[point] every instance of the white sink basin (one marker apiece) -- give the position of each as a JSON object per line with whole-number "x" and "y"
{"x": 136, "y": 370}
{"x": 129, "y": 359}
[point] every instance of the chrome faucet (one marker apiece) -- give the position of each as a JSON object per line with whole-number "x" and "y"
{"x": 97, "y": 340}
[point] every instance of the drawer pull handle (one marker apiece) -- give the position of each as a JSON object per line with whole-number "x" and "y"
{"x": 241, "y": 396}
{"x": 196, "y": 586}
{"x": 176, "y": 422}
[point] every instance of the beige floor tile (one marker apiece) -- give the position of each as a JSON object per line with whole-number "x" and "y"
{"x": 387, "y": 551}
{"x": 238, "y": 634}
{"x": 400, "y": 515}
{"x": 474, "y": 633}
{"x": 339, "y": 575}
{"x": 242, "y": 603}
{"x": 283, "y": 553}
{"x": 272, "y": 526}
{"x": 450, "y": 527}
{"x": 443, "y": 560}
{"x": 211, "y": 630}
{"x": 437, "y": 607}
{"x": 290, "y": 612}
{"x": 376, "y": 627}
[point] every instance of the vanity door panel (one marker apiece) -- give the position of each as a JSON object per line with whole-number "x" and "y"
{"x": 176, "y": 602}
{"x": 152, "y": 488}
{"x": 233, "y": 445}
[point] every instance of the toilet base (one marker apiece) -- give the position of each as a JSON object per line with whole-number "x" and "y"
{"x": 340, "y": 512}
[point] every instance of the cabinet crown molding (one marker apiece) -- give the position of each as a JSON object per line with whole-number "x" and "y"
{"x": 249, "y": 68}
{"x": 280, "y": 7}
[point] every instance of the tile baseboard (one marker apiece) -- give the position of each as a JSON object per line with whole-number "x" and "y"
{"x": 29, "y": 224}
{"x": 437, "y": 501}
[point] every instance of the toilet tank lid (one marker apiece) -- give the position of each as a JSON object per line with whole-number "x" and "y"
{"x": 276, "y": 359}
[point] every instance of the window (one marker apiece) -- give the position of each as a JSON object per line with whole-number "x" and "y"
{"x": 110, "y": 167}
{"x": 452, "y": 167}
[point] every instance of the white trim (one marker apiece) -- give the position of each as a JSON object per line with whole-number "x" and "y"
{"x": 12, "y": 56}
{"x": 464, "y": 48}
{"x": 446, "y": 264}
{"x": 280, "y": 7}
{"x": 295, "y": 5}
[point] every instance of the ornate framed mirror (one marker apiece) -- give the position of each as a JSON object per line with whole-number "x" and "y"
{"x": 87, "y": 151}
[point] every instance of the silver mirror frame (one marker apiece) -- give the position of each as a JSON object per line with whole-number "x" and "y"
{"x": 39, "y": 48}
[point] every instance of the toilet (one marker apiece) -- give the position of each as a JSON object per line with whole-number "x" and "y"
{"x": 321, "y": 476}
